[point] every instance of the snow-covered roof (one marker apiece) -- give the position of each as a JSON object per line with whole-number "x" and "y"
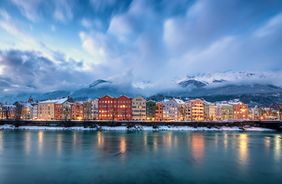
{"x": 55, "y": 101}
{"x": 179, "y": 101}
{"x": 27, "y": 104}
{"x": 10, "y": 106}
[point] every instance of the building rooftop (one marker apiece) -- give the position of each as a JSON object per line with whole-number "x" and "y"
{"x": 56, "y": 101}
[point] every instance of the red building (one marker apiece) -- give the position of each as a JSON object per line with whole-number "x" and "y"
{"x": 159, "y": 111}
{"x": 106, "y": 108}
{"x": 77, "y": 111}
{"x": 123, "y": 108}
{"x": 241, "y": 111}
{"x": 119, "y": 109}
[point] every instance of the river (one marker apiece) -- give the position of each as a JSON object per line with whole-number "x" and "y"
{"x": 37, "y": 156}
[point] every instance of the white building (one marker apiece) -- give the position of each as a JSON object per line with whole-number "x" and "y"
{"x": 139, "y": 108}
{"x": 95, "y": 110}
{"x": 210, "y": 111}
{"x": 47, "y": 111}
{"x": 35, "y": 111}
{"x": 173, "y": 110}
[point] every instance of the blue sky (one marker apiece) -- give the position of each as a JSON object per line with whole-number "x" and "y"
{"x": 66, "y": 44}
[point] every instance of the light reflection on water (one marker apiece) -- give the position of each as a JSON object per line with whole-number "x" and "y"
{"x": 277, "y": 148}
{"x": 197, "y": 147}
{"x": 123, "y": 155}
{"x": 40, "y": 141}
{"x": 243, "y": 148}
{"x": 27, "y": 142}
{"x": 59, "y": 142}
{"x": 122, "y": 145}
{"x": 100, "y": 140}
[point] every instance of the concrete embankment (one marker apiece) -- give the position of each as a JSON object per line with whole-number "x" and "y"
{"x": 277, "y": 125}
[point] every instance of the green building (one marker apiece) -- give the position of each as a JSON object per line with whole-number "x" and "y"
{"x": 150, "y": 110}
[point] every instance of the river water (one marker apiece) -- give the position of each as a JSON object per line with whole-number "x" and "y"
{"x": 36, "y": 156}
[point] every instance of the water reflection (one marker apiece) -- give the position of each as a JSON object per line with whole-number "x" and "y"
{"x": 225, "y": 141}
{"x": 155, "y": 143}
{"x": 122, "y": 145}
{"x": 59, "y": 144}
{"x": 243, "y": 148}
{"x": 145, "y": 139}
{"x": 267, "y": 143}
{"x": 277, "y": 148}
{"x": 27, "y": 142}
{"x": 1, "y": 142}
{"x": 168, "y": 140}
{"x": 216, "y": 140}
{"x": 100, "y": 140}
{"x": 198, "y": 146}
{"x": 40, "y": 137}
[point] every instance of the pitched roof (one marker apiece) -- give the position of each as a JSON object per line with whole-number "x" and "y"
{"x": 56, "y": 101}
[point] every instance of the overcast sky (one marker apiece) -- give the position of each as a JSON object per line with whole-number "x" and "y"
{"x": 66, "y": 44}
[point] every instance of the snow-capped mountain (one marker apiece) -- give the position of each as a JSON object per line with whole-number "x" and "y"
{"x": 231, "y": 84}
{"x": 274, "y": 78}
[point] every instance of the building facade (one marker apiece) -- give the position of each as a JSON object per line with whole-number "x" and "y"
{"x": 197, "y": 110}
{"x": 210, "y": 111}
{"x": 123, "y": 108}
{"x": 241, "y": 111}
{"x": 159, "y": 111}
{"x": 106, "y": 108}
{"x": 150, "y": 110}
{"x": 77, "y": 111}
{"x": 138, "y": 108}
{"x": 95, "y": 109}
{"x": 51, "y": 109}
{"x": 173, "y": 110}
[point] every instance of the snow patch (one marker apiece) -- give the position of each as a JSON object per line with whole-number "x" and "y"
{"x": 134, "y": 128}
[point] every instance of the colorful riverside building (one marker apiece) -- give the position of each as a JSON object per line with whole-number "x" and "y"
{"x": 94, "y": 109}
{"x": 77, "y": 111}
{"x": 51, "y": 109}
{"x": 119, "y": 109}
{"x": 123, "y": 108}
{"x": 197, "y": 109}
{"x": 224, "y": 111}
{"x": 138, "y": 108}
{"x": 173, "y": 110}
{"x": 87, "y": 110}
{"x": 106, "y": 108}
{"x": 241, "y": 111}
{"x": 26, "y": 113}
{"x": 159, "y": 116}
{"x": 151, "y": 110}
{"x": 210, "y": 111}
{"x": 8, "y": 111}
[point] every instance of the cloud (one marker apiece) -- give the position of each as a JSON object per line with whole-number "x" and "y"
{"x": 29, "y": 8}
{"x": 63, "y": 10}
{"x": 272, "y": 26}
{"x": 34, "y": 10}
{"x": 96, "y": 45}
{"x": 28, "y": 71}
{"x": 86, "y": 23}
{"x": 152, "y": 40}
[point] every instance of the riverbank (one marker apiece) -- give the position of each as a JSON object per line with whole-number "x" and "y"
{"x": 133, "y": 128}
{"x": 146, "y": 125}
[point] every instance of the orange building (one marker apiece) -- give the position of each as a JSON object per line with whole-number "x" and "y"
{"x": 77, "y": 111}
{"x": 197, "y": 110}
{"x": 58, "y": 111}
{"x": 241, "y": 111}
{"x": 159, "y": 111}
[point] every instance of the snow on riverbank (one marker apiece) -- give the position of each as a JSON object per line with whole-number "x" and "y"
{"x": 135, "y": 128}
